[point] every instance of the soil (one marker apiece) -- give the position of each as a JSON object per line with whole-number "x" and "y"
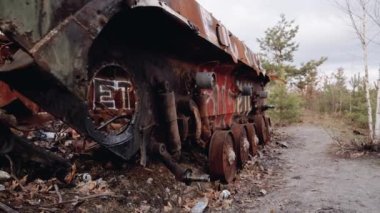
{"x": 298, "y": 172}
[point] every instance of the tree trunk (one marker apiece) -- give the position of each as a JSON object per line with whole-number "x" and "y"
{"x": 361, "y": 32}
{"x": 350, "y": 103}
{"x": 377, "y": 121}
{"x": 366, "y": 84}
{"x": 366, "y": 81}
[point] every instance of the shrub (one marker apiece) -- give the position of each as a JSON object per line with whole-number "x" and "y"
{"x": 287, "y": 105}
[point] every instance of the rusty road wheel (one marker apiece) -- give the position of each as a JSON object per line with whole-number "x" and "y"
{"x": 241, "y": 143}
{"x": 252, "y": 138}
{"x": 268, "y": 130}
{"x": 261, "y": 129}
{"x": 222, "y": 157}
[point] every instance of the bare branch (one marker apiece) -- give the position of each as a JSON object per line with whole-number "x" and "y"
{"x": 374, "y": 15}
{"x": 358, "y": 31}
{"x": 346, "y": 7}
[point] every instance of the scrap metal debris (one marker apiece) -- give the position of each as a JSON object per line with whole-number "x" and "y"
{"x": 201, "y": 206}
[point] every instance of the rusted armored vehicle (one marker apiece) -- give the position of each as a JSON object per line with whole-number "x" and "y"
{"x": 136, "y": 76}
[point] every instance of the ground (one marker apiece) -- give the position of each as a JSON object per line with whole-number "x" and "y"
{"x": 302, "y": 170}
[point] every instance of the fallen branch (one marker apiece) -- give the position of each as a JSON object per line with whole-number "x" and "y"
{"x": 10, "y": 163}
{"x": 7, "y": 209}
{"x": 58, "y": 193}
{"x": 12, "y": 172}
{"x": 79, "y": 199}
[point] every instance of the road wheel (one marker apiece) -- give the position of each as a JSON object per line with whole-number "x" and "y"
{"x": 241, "y": 143}
{"x": 252, "y": 138}
{"x": 222, "y": 157}
{"x": 261, "y": 129}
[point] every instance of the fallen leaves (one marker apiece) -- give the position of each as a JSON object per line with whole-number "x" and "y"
{"x": 97, "y": 186}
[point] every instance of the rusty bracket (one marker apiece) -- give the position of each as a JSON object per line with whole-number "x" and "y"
{"x": 266, "y": 107}
{"x": 181, "y": 174}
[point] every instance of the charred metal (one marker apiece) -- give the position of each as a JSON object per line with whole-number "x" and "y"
{"x": 136, "y": 76}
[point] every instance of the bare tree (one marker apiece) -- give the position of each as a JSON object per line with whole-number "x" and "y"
{"x": 357, "y": 11}
{"x": 377, "y": 121}
{"x": 374, "y": 13}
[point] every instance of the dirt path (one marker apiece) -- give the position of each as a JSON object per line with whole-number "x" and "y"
{"x": 316, "y": 181}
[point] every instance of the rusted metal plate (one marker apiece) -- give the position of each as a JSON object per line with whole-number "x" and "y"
{"x": 30, "y": 21}
{"x": 225, "y": 100}
{"x": 222, "y": 157}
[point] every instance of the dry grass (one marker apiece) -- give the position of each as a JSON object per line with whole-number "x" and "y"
{"x": 349, "y": 141}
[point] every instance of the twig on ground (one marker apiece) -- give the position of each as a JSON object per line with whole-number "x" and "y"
{"x": 48, "y": 209}
{"x": 58, "y": 193}
{"x": 149, "y": 170}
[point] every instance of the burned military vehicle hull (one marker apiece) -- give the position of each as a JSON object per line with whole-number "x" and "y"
{"x": 140, "y": 76}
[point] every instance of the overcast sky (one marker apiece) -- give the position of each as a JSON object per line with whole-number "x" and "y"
{"x": 324, "y": 30}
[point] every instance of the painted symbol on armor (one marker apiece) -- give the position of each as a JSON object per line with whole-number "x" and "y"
{"x": 243, "y": 103}
{"x": 113, "y": 94}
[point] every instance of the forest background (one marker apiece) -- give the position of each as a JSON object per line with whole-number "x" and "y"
{"x": 296, "y": 88}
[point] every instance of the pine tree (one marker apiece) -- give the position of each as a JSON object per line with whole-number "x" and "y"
{"x": 278, "y": 45}
{"x": 277, "y": 49}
